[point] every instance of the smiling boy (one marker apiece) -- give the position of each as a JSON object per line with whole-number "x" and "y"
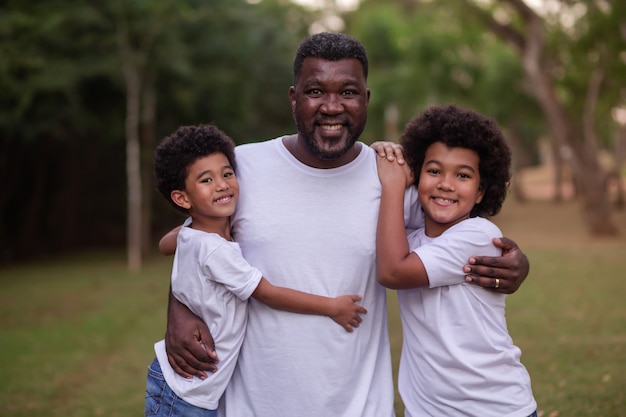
{"x": 195, "y": 172}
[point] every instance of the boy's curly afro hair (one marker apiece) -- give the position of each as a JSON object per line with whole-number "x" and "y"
{"x": 182, "y": 148}
{"x": 458, "y": 127}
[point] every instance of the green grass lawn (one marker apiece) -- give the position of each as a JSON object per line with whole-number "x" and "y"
{"x": 76, "y": 335}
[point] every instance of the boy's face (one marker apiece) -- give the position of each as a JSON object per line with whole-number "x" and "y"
{"x": 211, "y": 189}
{"x": 449, "y": 186}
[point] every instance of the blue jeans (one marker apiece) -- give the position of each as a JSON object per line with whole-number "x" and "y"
{"x": 162, "y": 402}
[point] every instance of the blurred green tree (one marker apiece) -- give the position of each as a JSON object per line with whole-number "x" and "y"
{"x": 571, "y": 61}
{"x": 77, "y": 78}
{"x": 429, "y": 52}
{"x": 564, "y": 75}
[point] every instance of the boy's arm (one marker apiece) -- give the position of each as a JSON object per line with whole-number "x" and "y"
{"x": 504, "y": 274}
{"x": 511, "y": 269}
{"x": 344, "y": 309}
{"x": 188, "y": 342}
{"x": 398, "y": 267}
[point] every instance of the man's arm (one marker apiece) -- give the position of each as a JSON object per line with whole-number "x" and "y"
{"x": 503, "y": 274}
{"x": 188, "y": 342}
{"x": 189, "y": 345}
{"x": 167, "y": 244}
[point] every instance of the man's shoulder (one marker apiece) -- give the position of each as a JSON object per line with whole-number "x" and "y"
{"x": 255, "y": 146}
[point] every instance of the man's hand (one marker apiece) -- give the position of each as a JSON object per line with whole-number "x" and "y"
{"x": 389, "y": 150}
{"x": 502, "y": 274}
{"x": 188, "y": 342}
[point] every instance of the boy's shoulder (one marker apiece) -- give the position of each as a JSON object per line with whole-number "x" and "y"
{"x": 192, "y": 237}
{"x": 476, "y": 224}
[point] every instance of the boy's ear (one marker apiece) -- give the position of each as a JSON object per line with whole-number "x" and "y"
{"x": 479, "y": 195}
{"x": 180, "y": 199}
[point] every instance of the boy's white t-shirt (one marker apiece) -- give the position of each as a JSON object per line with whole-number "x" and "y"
{"x": 211, "y": 277}
{"x": 458, "y": 358}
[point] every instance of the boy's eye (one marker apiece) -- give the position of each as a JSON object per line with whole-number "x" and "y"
{"x": 228, "y": 174}
{"x": 206, "y": 180}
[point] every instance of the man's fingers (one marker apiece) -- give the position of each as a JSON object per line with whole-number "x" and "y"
{"x": 177, "y": 368}
{"x": 183, "y": 369}
{"x": 504, "y": 243}
{"x": 389, "y": 150}
{"x": 486, "y": 263}
{"x": 495, "y": 284}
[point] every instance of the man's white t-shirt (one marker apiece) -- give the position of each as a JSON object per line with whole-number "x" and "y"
{"x": 313, "y": 230}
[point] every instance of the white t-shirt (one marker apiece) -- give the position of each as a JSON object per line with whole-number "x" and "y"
{"x": 312, "y": 230}
{"x": 457, "y": 356}
{"x": 211, "y": 277}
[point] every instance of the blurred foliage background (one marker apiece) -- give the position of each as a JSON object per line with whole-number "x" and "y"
{"x": 87, "y": 89}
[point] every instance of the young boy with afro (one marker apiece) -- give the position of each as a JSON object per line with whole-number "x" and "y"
{"x": 457, "y": 356}
{"x": 195, "y": 171}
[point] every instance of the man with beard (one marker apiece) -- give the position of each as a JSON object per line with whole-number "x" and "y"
{"x": 307, "y": 219}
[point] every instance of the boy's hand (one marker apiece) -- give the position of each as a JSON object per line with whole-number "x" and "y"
{"x": 346, "y": 311}
{"x": 390, "y": 173}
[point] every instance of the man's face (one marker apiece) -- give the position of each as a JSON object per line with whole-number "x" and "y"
{"x": 329, "y": 104}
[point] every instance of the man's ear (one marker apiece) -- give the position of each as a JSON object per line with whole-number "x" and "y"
{"x": 180, "y": 199}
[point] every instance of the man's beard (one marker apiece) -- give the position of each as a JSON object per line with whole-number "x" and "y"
{"x": 328, "y": 155}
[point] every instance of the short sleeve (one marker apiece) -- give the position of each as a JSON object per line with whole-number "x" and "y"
{"x": 226, "y": 265}
{"x": 444, "y": 256}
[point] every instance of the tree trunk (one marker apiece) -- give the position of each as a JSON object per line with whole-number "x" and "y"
{"x": 620, "y": 156}
{"x": 133, "y": 151}
{"x": 148, "y": 141}
{"x": 558, "y": 163}
{"x": 520, "y": 160}
{"x": 584, "y": 162}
